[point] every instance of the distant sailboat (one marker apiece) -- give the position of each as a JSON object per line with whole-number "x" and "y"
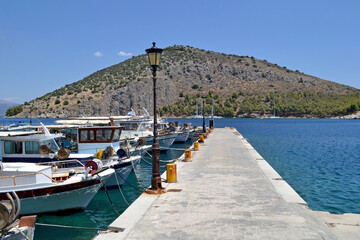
{"x": 274, "y": 116}
{"x": 212, "y": 112}
{"x": 196, "y": 112}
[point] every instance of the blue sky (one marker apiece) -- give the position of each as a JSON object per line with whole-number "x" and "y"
{"x": 46, "y": 44}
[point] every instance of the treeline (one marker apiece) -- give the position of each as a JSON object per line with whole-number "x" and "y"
{"x": 14, "y": 111}
{"x": 298, "y": 104}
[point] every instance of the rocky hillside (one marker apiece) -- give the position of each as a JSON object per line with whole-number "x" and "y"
{"x": 183, "y": 71}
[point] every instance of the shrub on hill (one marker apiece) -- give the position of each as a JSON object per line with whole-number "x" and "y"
{"x": 14, "y": 111}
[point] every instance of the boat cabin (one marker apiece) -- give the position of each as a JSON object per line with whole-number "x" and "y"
{"x": 18, "y": 148}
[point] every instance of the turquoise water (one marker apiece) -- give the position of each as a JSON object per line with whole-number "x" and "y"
{"x": 317, "y": 157}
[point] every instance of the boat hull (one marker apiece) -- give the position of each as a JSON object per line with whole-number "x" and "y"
{"x": 183, "y": 136}
{"x": 122, "y": 171}
{"x": 49, "y": 199}
{"x": 165, "y": 141}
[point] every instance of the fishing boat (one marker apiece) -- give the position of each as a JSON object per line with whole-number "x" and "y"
{"x": 35, "y": 148}
{"x": 183, "y": 131}
{"x": 133, "y": 129}
{"x": 104, "y": 140}
{"x": 90, "y": 142}
{"x": 40, "y": 193}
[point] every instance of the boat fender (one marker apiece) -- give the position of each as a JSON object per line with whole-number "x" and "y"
{"x": 45, "y": 149}
{"x": 121, "y": 153}
{"x": 109, "y": 152}
{"x": 99, "y": 153}
{"x": 141, "y": 142}
{"x": 4, "y": 216}
{"x": 63, "y": 153}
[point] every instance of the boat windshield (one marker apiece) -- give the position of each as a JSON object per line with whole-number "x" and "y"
{"x": 116, "y": 136}
{"x": 103, "y": 134}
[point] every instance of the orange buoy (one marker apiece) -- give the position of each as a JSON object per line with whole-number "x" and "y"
{"x": 205, "y": 136}
{"x": 201, "y": 138}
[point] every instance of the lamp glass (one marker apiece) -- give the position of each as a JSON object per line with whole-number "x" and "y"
{"x": 154, "y": 58}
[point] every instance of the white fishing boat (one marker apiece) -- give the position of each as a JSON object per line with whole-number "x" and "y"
{"x": 92, "y": 142}
{"x": 143, "y": 128}
{"x": 40, "y": 193}
{"x": 36, "y": 148}
{"x": 183, "y": 131}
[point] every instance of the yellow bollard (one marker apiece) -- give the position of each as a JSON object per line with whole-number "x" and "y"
{"x": 205, "y": 136}
{"x": 187, "y": 155}
{"x": 201, "y": 138}
{"x": 209, "y": 131}
{"x": 212, "y": 127}
{"x": 171, "y": 172}
{"x": 196, "y": 146}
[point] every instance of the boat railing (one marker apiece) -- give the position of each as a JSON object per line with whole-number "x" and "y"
{"x": 62, "y": 163}
{"x": 26, "y": 175}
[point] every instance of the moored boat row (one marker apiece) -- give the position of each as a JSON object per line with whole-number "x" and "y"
{"x": 61, "y": 167}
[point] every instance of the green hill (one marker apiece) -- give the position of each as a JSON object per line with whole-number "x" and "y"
{"x": 239, "y": 85}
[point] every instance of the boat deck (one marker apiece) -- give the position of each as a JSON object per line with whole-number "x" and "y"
{"x": 226, "y": 191}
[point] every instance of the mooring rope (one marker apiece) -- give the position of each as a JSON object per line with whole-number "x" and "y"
{"x": 112, "y": 204}
{"x": 143, "y": 159}
{"x": 119, "y": 187}
{"x": 180, "y": 149}
{"x": 166, "y": 161}
{"x": 131, "y": 184}
{"x": 22, "y": 233}
{"x": 132, "y": 162}
{"x": 65, "y": 226}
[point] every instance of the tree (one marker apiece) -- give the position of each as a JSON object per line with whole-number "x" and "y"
{"x": 14, "y": 111}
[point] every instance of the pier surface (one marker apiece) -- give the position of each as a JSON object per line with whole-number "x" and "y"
{"x": 227, "y": 191}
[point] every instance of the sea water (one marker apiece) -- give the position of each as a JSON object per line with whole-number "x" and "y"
{"x": 317, "y": 157}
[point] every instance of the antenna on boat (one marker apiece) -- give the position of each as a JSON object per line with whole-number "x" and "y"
{"x": 46, "y": 131}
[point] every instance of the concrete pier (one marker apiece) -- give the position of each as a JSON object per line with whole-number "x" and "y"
{"x": 227, "y": 191}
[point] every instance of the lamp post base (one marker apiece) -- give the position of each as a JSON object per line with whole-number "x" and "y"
{"x": 156, "y": 191}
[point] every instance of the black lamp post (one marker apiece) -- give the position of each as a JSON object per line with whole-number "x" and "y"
{"x": 203, "y": 112}
{"x": 154, "y": 54}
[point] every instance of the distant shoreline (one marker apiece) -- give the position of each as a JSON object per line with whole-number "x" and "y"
{"x": 349, "y": 117}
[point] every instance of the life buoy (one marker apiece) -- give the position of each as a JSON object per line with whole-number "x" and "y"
{"x": 99, "y": 153}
